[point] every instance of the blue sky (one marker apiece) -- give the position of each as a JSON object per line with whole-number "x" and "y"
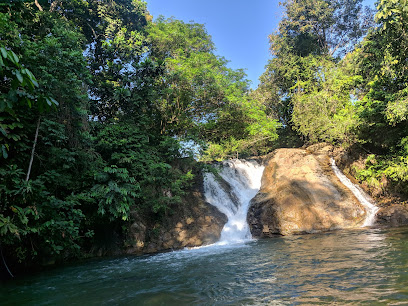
{"x": 239, "y": 28}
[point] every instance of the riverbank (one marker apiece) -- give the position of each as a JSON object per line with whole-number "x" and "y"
{"x": 194, "y": 222}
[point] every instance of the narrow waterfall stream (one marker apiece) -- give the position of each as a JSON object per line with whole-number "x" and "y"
{"x": 359, "y": 194}
{"x": 231, "y": 193}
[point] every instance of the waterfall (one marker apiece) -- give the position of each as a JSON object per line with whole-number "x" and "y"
{"x": 364, "y": 199}
{"x": 231, "y": 193}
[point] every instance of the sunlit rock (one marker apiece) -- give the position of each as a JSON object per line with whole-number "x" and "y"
{"x": 301, "y": 194}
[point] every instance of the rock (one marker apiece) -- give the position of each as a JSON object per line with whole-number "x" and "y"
{"x": 152, "y": 248}
{"x": 203, "y": 226}
{"x": 192, "y": 223}
{"x": 301, "y": 194}
{"x": 394, "y": 215}
{"x": 137, "y": 235}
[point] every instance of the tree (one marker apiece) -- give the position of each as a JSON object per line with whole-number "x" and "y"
{"x": 190, "y": 86}
{"x": 322, "y": 27}
{"x": 312, "y": 33}
{"x": 384, "y": 108}
{"x": 323, "y": 109}
{"x": 38, "y": 218}
{"x": 199, "y": 96}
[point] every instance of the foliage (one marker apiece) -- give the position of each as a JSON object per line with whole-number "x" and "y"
{"x": 19, "y": 89}
{"x": 116, "y": 37}
{"x": 115, "y": 192}
{"x": 103, "y": 154}
{"x": 250, "y": 136}
{"x": 193, "y": 86}
{"x": 384, "y": 68}
{"x": 138, "y": 174}
{"x": 386, "y": 171}
{"x": 312, "y": 37}
{"x": 323, "y": 110}
{"x": 35, "y": 222}
{"x": 383, "y": 104}
{"x": 332, "y": 80}
{"x": 133, "y": 92}
{"x": 203, "y": 99}
{"x": 321, "y": 27}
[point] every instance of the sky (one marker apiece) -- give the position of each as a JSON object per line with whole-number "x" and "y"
{"x": 239, "y": 28}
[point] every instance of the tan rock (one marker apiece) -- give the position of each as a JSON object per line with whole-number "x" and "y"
{"x": 137, "y": 234}
{"x": 152, "y": 248}
{"x": 139, "y": 244}
{"x": 189, "y": 220}
{"x": 169, "y": 244}
{"x": 301, "y": 194}
{"x": 182, "y": 235}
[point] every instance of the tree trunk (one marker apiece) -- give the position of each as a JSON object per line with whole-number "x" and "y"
{"x": 33, "y": 149}
{"x": 38, "y": 5}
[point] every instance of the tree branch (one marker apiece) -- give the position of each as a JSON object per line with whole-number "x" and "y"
{"x": 38, "y": 5}
{"x": 33, "y": 149}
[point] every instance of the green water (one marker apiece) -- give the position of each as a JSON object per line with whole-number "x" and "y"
{"x": 359, "y": 267}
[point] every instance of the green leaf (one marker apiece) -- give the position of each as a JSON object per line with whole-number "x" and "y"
{"x": 15, "y": 57}
{"x": 3, "y": 131}
{"x": 3, "y": 52}
{"x": 54, "y": 101}
{"x": 34, "y": 81}
{"x": 19, "y": 76}
{"x": 4, "y": 151}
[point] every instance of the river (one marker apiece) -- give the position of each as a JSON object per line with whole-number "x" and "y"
{"x": 362, "y": 266}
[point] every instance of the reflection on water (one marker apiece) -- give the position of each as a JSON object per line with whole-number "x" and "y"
{"x": 367, "y": 266}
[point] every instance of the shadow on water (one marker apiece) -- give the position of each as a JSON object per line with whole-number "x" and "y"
{"x": 364, "y": 266}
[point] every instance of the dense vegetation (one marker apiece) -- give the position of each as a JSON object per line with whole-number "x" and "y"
{"x": 339, "y": 75}
{"x": 97, "y": 104}
{"x": 98, "y": 101}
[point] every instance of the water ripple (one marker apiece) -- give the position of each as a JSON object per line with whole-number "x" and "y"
{"x": 359, "y": 267}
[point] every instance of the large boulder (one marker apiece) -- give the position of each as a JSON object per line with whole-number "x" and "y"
{"x": 301, "y": 194}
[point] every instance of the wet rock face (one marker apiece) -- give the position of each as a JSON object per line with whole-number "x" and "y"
{"x": 395, "y": 215}
{"x": 192, "y": 223}
{"x": 202, "y": 226}
{"x": 301, "y": 194}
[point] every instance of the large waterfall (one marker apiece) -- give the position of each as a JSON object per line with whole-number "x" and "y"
{"x": 359, "y": 194}
{"x": 231, "y": 191}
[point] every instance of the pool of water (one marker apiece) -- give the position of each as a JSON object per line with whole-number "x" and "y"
{"x": 366, "y": 266}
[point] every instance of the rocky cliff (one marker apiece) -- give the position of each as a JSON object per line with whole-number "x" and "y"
{"x": 301, "y": 194}
{"x": 192, "y": 223}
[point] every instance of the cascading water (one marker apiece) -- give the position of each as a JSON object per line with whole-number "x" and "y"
{"x": 231, "y": 193}
{"x": 359, "y": 194}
